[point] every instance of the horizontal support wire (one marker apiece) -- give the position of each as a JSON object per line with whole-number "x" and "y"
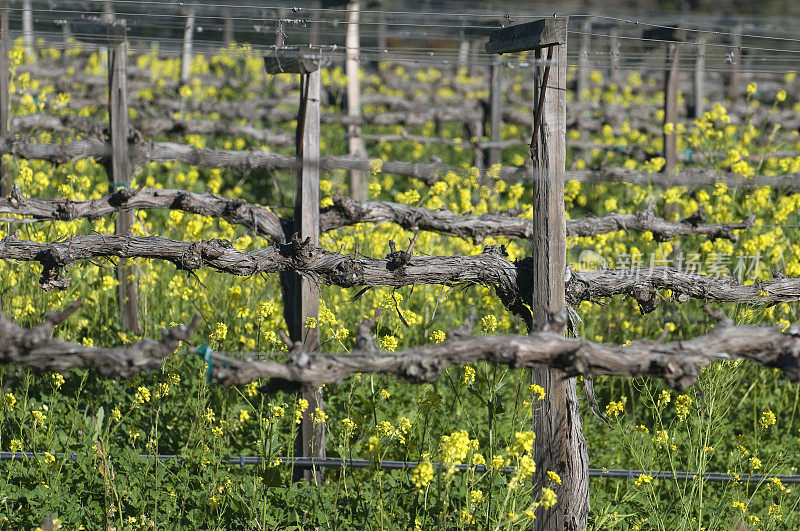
{"x": 440, "y": 57}
{"x": 308, "y": 463}
{"x": 296, "y": 17}
{"x": 757, "y": 64}
{"x": 765, "y": 65}
{"x": 296, "y": 14}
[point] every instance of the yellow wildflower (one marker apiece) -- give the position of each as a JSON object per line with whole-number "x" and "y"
{"x": 437, "y": 336}
{"x": 538, "y": 391}
{"x": 302, "y": 406}
{"x": 220, "y": 333}
{"x": 767, "y": 419}
{"x": 422, "y": 475}
{"x": 319, "y": 416}
{"x": 7, "y": 401}
{"x": 469, "y": 375}
{"x": 552, "y": 476}
{"x": 388, "y": 343}
{"x": 142, "y": 395}
{"x": 613, "y": 409}
{"x": 548, "y": 499}
{"x": 523, "y": 442}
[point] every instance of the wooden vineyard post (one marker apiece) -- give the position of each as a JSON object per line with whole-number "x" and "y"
{"x": 735, "y": 59}
{"x": 301, "y": 295}
{"x": 494, "y": 154}
{"x": 6, "y": 180}
{"x": 560, "y": 445}
{"x": 227, "y": 29}
{"x": 121, "y": 168}
{"x": 355, "y": 142}
{"x": 313, "y": 32}
{"x": 699, "y": 78}
{"x": 381, "y": 37}
{"x": 66, "y": 36}
{"x": 280, "y": 34}
{"x": 613, "y": 50}
{"x": 472, "y": 57}
{"x": 107, "y": 17}
{"x": 463, "y": 46}
{"x": 27, "y": 29}
{"x": 671, "y": 109}
{"x": 584, "y": 68}
{"x": 186, "y": 55}
{"x": 111, "y": 35}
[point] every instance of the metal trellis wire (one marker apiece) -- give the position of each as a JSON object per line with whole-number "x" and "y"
{"x": 308, "y": 463}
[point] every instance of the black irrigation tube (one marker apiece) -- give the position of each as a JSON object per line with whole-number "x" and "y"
{"x": 302, "y": 462}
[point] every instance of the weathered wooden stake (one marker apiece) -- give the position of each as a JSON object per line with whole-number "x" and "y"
{"x": 227, "y": 29}
{"x": 108, "y": 11}
{"x": 463, "y": 54}
{"x": 306, "y": 212}
{"x": 280, "y": 33}
{"x": 6, "y": 179}
{"x": 27, "y": 29}
{"x": 307, "y": 215}
{"x": 355, "y": 142}
{"x": 383, "y": 42}
{"x": 301, "y": 295}
{"x": 313, "y": 32}
{"x": 584, "y": 68}
{"x": 613, "y": 50}
{"x": 108, "y": 17}
{"x": 66, "y": 33}
{"x": 495, "y": 154}
{"x": 671, "y": 109}
{"x": 66, "y": 36}
{"x": 736, "y": 60}
{"x": 560, "y": 445}
{"x": 120, "y": 168}
{"x": 699, "y": 78}
{"x": 472, "y": 57}
{"x": 463, "y": 47}
{"x": 186, "y": 56}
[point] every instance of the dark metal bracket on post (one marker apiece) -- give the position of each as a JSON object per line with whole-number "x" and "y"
{"x": 537, "y": 117}
{"x": 293, "y": 60}
{"x": 301, "y": 115}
